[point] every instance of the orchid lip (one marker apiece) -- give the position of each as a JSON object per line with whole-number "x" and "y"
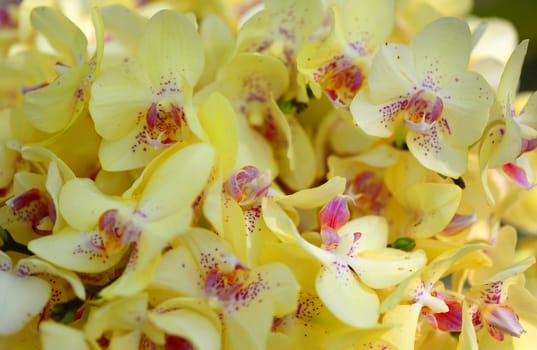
{"x": 247, "y": 185}
{"x": 166, "y": 125}
{"x": 423, "y": 110}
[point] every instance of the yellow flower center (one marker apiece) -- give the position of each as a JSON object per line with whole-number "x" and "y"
{"x": 116, "y": 232}
{"x": 36, "y": 208}
{"x": 423, "y": 110}
{"x": 340, "y": 79}
{"x": 165, "y": 124}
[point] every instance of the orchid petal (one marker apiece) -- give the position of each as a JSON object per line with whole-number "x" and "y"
{"x": 316, "y": 196}
{"x": 40, "y": 268}
{"x": 434, "y": 152}
{"x": 373, "y": 229}
{"x": 131, "y": 151}
{"x": 22, "y": 298}
{"x": 391, "y": 76}
{"x": 125, "y": 25}
{"x": 127, "y": 86}
{"x": 61, "y": 33}
{"x": 249, "y": 327}
{"x": 405, "y": 320}
{"x": 383, "y": 268}
{"x": 511, "y": 77}
{"x": 124, "y": 314}
{"x": 175, "y": 267}
{"x": 354, "y": 304}
{"x": 467, "y": 100}
{"x": 53, "y": 107}
{"x": 82, "y": 204}
{"x": 188, "y": 324}
{"x": 378, "y": 120}
{"x": 171, "y": 45}
{"x": 166, "y": 193}
{"x": 436, "y": 60}
{"x": 467, "y": 338}
{"x": 435, "y": 205}
{"x": 58, "y": 336}
{"x": 300, "y": 148}
{"x": 67, "y": 249}
{"x": 219, "y": 121}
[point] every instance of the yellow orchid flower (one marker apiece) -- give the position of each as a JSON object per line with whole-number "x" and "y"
{"x": 66, "y": 97}
{"x": 251, "y": 83}
{"x": 32, "y": 210}
{"x": 63, "y": 95}
{"x": 423, "y": 296}
{"x": 424, "y": 90}
{"x": 131, "y": 322}
{"x": 311, "y": 325}
{"x": 103, "y": 228}
{"x": 204, "y": 267}
{"x": 280, "y": 29}
{"x": 487, "y": 299}
{"x": 509, "y": 136}
{"x": 143, "y": 106}
{"x": 338, "y": 64}
{"x": 33, "y": 288}
{"x": 352, "y": 253}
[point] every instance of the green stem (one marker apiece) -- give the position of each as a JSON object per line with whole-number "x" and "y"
{"x": 9, "y": 244}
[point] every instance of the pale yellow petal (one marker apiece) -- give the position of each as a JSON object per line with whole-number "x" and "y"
{"x": 171, "y": 45}
{"x": 53, "y": 107}
{"x": 404, "y": 319}
{"x": 189, "y": 324}
{"x": 178, "y": 273}
{"x": 467, "y": 338}
{"x": 131, "y": 151}
{"x": 435, "y": 205}
{"x": 56, "y": 336}
{"x": 177, "y": 182}
{"x": 71, "y": 250}
{"x": 373, "y": 230}
{"x": 119, "y": 97}
{"x": 21, "y": 299}
{"x": 61, "y": 33}
{"x": 435, "y": 57}
{"x": 82, "y": 204}
{"x": 354, "y": 303}
{"x": 298, "y": 169}
{"x": 219, "y": 122}
{"x": 383, "y": 268}
{"x": 40, "y": 267}
{"x": 316, "y": 196}
{"x": 124, "y": 314}
{"x": 249, "y": 328}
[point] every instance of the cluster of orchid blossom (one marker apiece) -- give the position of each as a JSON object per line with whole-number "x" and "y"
{"x": 286, "y": 174}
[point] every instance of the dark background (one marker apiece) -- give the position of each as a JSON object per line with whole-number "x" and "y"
{"x": 523, "y": 14}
